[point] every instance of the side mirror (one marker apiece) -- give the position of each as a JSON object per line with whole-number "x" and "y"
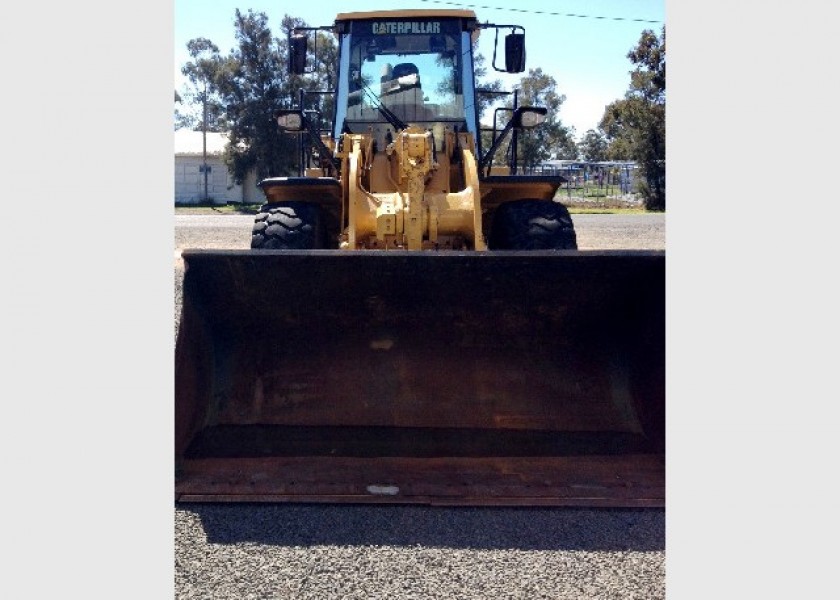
{"x": 290, "y": 120}
{"x": 515, "y": 52}
{"x": 297, "y": 53}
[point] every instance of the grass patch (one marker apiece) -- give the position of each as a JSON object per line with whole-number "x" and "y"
{"x": 593, "y": 204}
{"x": 589, "y": 210}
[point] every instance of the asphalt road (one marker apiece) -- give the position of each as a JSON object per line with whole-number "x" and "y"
{"x": 323, "y": 551}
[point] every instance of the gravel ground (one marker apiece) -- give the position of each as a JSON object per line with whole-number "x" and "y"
{"x": 323, "y": 551}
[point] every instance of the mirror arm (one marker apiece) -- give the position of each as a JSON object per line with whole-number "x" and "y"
{"x": 514, "y": 28}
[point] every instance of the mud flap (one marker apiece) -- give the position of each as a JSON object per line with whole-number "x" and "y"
{"x": 503, "y": 378}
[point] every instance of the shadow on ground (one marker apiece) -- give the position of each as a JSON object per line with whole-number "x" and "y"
{"x": 474, "y": 528}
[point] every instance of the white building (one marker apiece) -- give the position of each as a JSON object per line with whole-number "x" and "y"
{"x": 189, "y": 177}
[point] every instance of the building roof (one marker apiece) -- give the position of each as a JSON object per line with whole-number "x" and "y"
{"x": 190, "y": 143}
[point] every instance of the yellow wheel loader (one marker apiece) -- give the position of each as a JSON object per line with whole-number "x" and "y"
{"x": 414, "y": 322}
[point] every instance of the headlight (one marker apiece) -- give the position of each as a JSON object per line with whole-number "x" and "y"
{"x": 290, "y": 120}
{"x": 530, "y": 116}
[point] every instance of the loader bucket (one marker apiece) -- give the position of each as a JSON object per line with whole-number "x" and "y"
{"x": 458, "y": 378}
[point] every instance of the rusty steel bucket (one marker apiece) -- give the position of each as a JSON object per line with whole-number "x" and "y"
{"x": 458, "y": 378}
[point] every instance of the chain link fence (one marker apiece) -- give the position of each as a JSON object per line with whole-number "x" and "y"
{"x": 594, "y": 182}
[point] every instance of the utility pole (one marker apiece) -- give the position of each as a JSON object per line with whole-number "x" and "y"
{"x": 204, "y": 141}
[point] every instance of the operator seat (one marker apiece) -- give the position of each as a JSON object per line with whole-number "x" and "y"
{"x": 403, "y": 69}
{"x": 402, "y": 92}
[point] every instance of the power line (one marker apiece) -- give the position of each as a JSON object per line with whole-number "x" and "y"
{"x": 541, "y": 12}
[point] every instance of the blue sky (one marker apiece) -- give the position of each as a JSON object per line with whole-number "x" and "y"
{"x": 585, "y": 55}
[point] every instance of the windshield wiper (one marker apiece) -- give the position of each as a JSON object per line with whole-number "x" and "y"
{"x": 392, "y": 119}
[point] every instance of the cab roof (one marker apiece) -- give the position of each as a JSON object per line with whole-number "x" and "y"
{"x": 406, "y": 14}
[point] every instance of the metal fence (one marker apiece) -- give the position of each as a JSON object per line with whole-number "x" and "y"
{"x": 594, "y": 179}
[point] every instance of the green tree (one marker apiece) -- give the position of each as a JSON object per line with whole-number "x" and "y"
{"x": 253, "y": 84}
{"x": 182, "y": 119}
{"x": 593, "y": 146}
{"x": 635, "y": 125}
{"x": 550, "y": 139}
{"x": 201, "y": 73}
{"x": 204, "y": 111}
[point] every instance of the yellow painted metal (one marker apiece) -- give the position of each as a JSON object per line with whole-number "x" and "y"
{"x": 471, "y": 178}
{"x": 402, "y": 197}
{"x": 413, "y": 148}
{"x": 386, "y": 220}
{"x": 353, "y": 200}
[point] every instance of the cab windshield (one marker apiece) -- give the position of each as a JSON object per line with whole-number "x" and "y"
{"x": 410, "y": 70}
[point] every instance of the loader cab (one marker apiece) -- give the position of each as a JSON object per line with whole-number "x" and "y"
{"x": 400, "y": 68}
{"x": 418, "y": 70}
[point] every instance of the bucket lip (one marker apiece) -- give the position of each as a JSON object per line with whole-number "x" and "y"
{"x": 486, "y": 254}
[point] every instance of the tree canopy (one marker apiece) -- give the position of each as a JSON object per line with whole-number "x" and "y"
{"x": 253, "y": 84}
{"x": 200, "y": 105}
{"x": 244, "y": 89}
{"x": 551, "y": 139}
{"x": 593, "y": 146}
{"x": 635, "y": 125}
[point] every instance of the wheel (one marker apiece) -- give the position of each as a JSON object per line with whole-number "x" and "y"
{"x": 288, "y": 226}
{"x": 532, "y": 225}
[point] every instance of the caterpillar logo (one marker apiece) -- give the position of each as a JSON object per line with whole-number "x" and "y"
{"x": 397, "y": 27}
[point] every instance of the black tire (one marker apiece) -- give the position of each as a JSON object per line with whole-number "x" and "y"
{"x": 532, "y": 225}
{"x": 288, "y": 226}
